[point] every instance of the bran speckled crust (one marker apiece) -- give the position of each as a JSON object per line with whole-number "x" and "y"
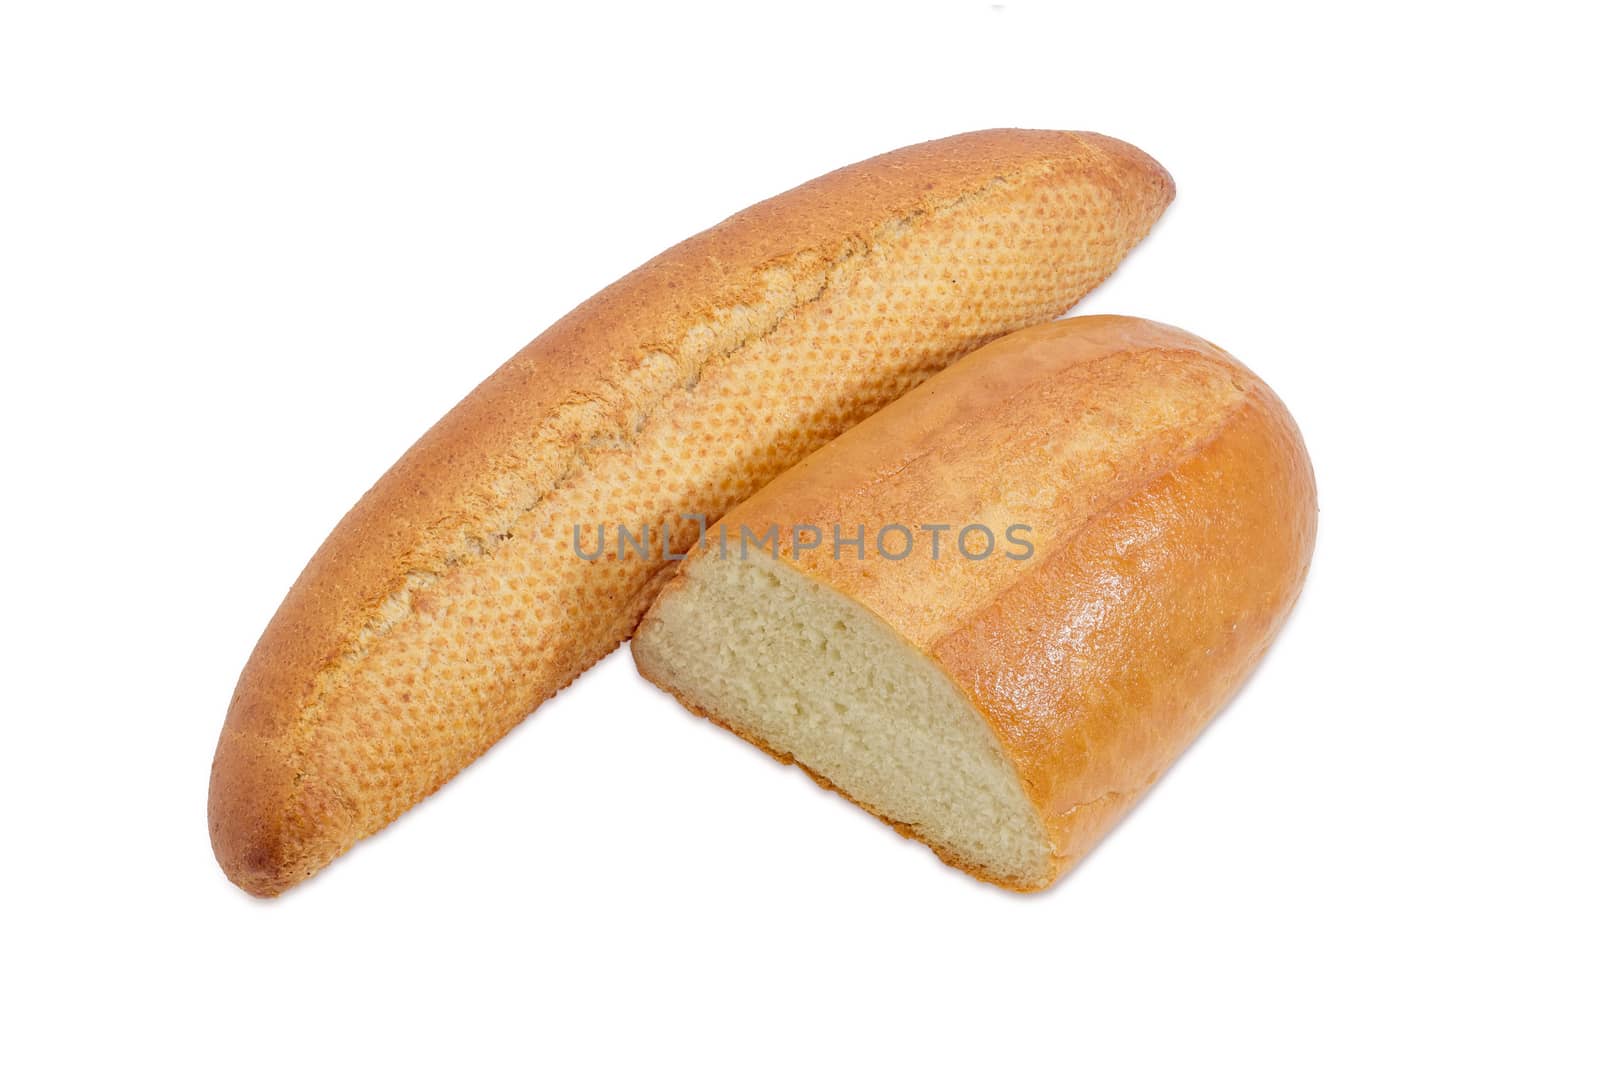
{"x": 1172, "y": 513}
{"x": 449, "y": 603}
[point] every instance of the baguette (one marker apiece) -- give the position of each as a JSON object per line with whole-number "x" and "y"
{"x": 1007, "y": 708}
{"x": 450, "y": 602}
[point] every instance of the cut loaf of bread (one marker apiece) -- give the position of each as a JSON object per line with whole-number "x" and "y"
{"x": 450, "y": 602}
{"x": 1007, "y": 699}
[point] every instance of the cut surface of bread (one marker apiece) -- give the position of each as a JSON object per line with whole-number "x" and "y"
{"x": 811, "y": 675}
{"x": 1008, "y": 701}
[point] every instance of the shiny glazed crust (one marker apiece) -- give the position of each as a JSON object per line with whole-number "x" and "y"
{"x": 1172, "y": 512}
{"x": 449, "y": 602}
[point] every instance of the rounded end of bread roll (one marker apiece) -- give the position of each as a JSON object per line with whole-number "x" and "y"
{"x": 1133, "y": 167}
{"x": 271, "y": 825}
{"x": 1008, "y": 707}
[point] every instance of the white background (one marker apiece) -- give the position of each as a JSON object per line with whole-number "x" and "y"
{"x": 250, "y": 252}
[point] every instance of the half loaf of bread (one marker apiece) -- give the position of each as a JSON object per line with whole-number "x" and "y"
{"x": 996, "y": 611}
{"x": 451, "y": 600}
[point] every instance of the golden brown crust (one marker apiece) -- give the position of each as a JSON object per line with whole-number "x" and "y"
{"x": 1148, "y": 620}
{"x": 1172, "y": 512}
{"x": 681, "y": 388}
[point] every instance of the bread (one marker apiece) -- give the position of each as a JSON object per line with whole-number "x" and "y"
{"x": 1152, "y": 511}
{"x": 450, "y": 602}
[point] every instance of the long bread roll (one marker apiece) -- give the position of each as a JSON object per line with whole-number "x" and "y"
{"x": 1150, "y": 513}
{"x": 450, "y": 602}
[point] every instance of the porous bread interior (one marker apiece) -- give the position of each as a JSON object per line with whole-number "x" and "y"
{"x": 809, "y": 674}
